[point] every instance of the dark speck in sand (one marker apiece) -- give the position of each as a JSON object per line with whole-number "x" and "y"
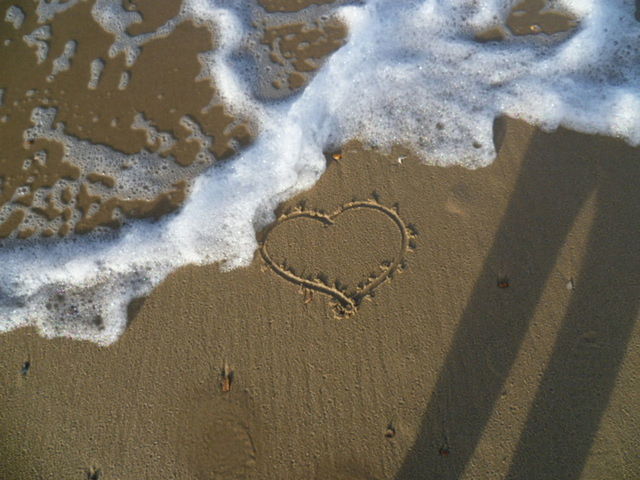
{"x": 227, "y": 378}
{"x": 391, "y": 431}
{"x": 94, "y": 474}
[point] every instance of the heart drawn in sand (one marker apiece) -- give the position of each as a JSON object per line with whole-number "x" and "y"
{"x": 346, "y": 300}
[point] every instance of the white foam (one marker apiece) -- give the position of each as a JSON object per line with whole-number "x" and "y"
{"x": 47, "y": 9}
{"x": 113, "y": 18}
{"x": 125, "y": 78}
{"x": 63, "y": 62}
{"x": 15, "y": 16}
{"x": 410, "y": 73}
{"x": 204, "y": 141}
{"x": 140, "y": 176}
{"x": 38, "y": 39}
{"x": 163, "y": 141}
{"x": 95, "y": 72}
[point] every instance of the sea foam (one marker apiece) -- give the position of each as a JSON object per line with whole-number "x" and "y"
{"x": 411, "y": 72}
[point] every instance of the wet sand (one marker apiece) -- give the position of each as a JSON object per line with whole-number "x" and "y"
{"x": 161, "y": 114}
{"x": 399, "y": 321}
{"x": 507, "y": 345}
{"x": 165, "y": 107}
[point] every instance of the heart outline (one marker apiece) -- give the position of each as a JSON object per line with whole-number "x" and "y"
{"x": 345, "y": 304}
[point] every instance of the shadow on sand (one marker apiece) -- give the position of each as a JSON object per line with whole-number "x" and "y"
{"x": 560, "y": 172}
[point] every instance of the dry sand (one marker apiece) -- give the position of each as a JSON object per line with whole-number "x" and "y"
{"x": 493, "y": 334}
{"x": 441, "y": 374}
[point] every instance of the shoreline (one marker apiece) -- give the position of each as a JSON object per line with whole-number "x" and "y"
{"x": 399, "y": 321}
{"x": 442, "y": 370}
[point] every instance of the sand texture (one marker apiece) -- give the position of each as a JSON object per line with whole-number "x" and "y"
{"x": 398, "y": 321}
{"x": 503, "y": 345}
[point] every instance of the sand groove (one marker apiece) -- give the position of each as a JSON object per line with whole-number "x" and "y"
{"x": 346, "y": 303}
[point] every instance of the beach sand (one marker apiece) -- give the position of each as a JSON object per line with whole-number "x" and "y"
{"x": 399, "y": 321}
{"x": 507, "y": 348}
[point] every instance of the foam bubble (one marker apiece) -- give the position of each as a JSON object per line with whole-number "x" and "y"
{"x": 63, "y": 62}
{"x": 101, "y": 172}
{"x": 123, "y": 83}
{"x": 47, "y": 9}
{"x": 113, "y": 18}
{"x": 164, "y": 140}
{"x": 95, "y": 72}
{"x": 15, "y": 16}
{"x": 411, "y": 72}
{"x": 204, "y": 141}
{"x": 38, "y": 39}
